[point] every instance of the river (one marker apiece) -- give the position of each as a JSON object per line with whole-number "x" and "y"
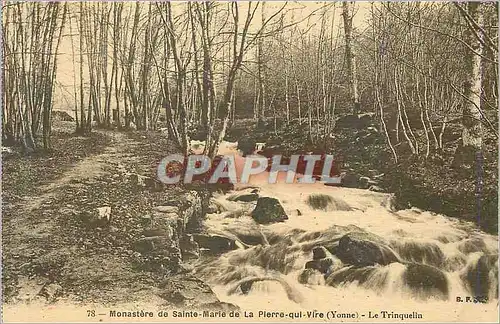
{"x": 440, "y": 263}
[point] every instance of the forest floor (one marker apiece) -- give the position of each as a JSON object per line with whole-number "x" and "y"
{"x": 49, "y": 253}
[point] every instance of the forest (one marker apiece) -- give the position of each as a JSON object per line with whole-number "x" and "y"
{"x": 418, "y": 66}
{"x": 425, "y": 73}
{"x": 403, "y": 94}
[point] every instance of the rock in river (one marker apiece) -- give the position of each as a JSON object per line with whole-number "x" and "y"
{"x": 364, "y": 249}
{"x": 426, "y": 281}
{"x": 268, "y": 210}
{"x": 216, "y": 244}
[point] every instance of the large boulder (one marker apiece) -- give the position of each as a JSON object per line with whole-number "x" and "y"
{"x": 426, "y": 281}
{"x": 327, "y": 203}
{"x": 269, "y": 210}
{"x": 167, "y": 223}
{"x": 193, "y": 210}
{"x": 419, "y": 252}
{"x": 481, "y": 276}
{"x": 471, "y": 245}
{"x": 215, "y": 244}
{"x": 165, "y": 240}
{"x": 152, "y": 244}
{"x": 247, "y": 232}
{"x": 322, "y": 265}
{"x": 350, "y": 180}
{"x": 351, "y": 274}
{"x": 364, "y": 249}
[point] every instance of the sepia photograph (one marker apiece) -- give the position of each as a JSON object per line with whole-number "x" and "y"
{"x": 249, "y": 161}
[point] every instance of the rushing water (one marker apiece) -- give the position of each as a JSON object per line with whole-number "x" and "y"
{"x": 439, "y": 259}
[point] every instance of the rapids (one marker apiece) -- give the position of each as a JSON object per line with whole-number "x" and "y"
{"x": 439, "y": 259}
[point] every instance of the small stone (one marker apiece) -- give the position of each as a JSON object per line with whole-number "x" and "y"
{"x": 99, "y": 217}
{"x": 364, "y": 182}
{"x": 146, "y": 220}
{"x": 67, "y": 211}
{"x": 311, "y": 277}
{"x": 104, "y": 213}
{"x": 322, "y": 265}
{"x": 51, "y": 291}
{"x": 212, "y": 209}
{"x": 189, "y": 248}
{"x": 153, "y": 184}
{"x": 166, "y": 209}
{"x": 376, "y": 189}
{"x": 138, "y": 180}
{"x": 245, "y": 197}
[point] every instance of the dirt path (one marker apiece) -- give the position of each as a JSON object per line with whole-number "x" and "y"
{"x": 89, "y": 168}
{"x": 48, "y": 255}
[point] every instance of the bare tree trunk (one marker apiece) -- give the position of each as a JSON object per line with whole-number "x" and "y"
{"x": 285, "y": 63}
{"x": 421, "y": 106}
{"x": 181, "y": 75}
{"x": 117, "y": 16}
{"x": 298, "y": 100}
{"x": 400, "y": 114}
{"x": 261, "y": 73}
{"x": 472, "y": 130}
{"x": 77, "y": 129}
{"x": 47, "y": 111}
{"x": 376, "y": 85}
{"x": 348, "y": 14}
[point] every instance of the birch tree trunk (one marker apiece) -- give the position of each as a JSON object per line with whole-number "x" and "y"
{"x": 348, "y": 14}
{"x": 471, "y": 134}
